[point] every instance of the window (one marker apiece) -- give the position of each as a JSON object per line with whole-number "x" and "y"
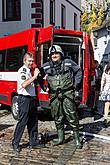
{"x": 2, "y": 60}
{"x": 105, "y": 57}
{"x": 75, "y": 21}
{"x": 43, "y": 53}
{"x": 72, "y": 48}
{"x": 52, "y": 12}
{"x": 63, "y": 16}
{"x": 95, "y": 41}
{"x": 11, "y": 10}
{"x": 14, "y": 58}
{"x": 105, "y": 39}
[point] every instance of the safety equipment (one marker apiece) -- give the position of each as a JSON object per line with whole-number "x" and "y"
{"x": 56, "y": 49}
{"x": 62, "y": 97}
{"x": 60, "y": 139}
{"x": 77, "y": 140}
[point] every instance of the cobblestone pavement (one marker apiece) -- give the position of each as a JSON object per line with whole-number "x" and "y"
{"x": 95, "y": 150}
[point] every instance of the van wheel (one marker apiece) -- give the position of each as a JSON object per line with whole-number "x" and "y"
{"x": 14, "y": 107}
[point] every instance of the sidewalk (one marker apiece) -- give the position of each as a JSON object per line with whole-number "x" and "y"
{"x": 94, "y": 151}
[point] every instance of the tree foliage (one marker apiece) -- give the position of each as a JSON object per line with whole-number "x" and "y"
{"x": 93, "y": 14}
{"x": 101, "y": 15}
{"x": 92, "y": 18}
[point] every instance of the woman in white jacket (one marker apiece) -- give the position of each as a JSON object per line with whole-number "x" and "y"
{"x": 105, "y": 91}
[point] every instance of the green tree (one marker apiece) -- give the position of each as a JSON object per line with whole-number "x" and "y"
{"x": 101, "y": 15}
{"x": 93, "y": 13}
{"x": 94, "y": 17}
{"x": 84, "y": 21}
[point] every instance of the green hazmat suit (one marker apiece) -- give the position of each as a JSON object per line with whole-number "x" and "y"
{"x": 62, "y": 77}
{"x": 62, "y": 101}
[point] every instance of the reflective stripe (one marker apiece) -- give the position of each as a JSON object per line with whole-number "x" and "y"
{"x": 8, "y": 76}
{"x": 68, "y": 64}
{"x": 46, "y": 67}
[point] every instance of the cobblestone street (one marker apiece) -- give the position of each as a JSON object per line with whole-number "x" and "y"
{"x": 95, "y": 150}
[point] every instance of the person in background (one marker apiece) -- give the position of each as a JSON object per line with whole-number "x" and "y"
{"x": 63, "y": 75}
{"x": 105, "y": 91}
{"x": 27, "y": 104}
{"x": 97, "y": 110}
{"x": 98, "y": 76}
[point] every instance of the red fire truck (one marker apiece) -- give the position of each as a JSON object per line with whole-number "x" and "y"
{"x": 75, "y": 44}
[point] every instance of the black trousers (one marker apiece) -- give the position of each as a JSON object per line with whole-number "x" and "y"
{"x": 27, "y": 117}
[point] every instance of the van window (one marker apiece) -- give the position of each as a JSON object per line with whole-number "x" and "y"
{"x": 14, "y": 58}
{"x": 2, "y": 53}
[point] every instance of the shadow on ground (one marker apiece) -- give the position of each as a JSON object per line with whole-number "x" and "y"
{"x": 4, "y": 126}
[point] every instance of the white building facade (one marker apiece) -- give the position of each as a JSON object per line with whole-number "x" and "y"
{"x": 102, "y": 44}
{"x": 18, "y": 15}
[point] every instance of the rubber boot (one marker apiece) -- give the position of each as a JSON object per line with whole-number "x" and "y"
{"x": 77, "y": 140}
{"x": 60, "y": 139}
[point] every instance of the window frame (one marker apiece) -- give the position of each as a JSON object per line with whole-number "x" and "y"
{"x": 63, "y": 16}
{"x": 15, "y": 14}
{"x": 52, "y": 12}
{"x": 2, "y": 63}
{"x": 8, "y": 56}
{"x": 75, "y": 21}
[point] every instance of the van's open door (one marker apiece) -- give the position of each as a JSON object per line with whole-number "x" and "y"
{"x": 45, "y": 40}
{"x": 45, "y": 35}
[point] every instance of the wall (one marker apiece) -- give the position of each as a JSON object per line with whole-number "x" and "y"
{"x": 13, "y": 26}
{"x": 70, "y": 10}
{"x": 102, "y": 51}
{"x": 26, "y": 13}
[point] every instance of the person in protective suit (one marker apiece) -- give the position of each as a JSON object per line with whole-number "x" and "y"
{"x": 63, "y": 75}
